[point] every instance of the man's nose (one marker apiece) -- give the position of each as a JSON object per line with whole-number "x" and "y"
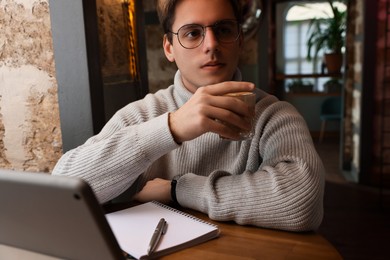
{"x": 210, "y": 39}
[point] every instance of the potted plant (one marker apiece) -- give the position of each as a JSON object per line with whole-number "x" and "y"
{"x": 300, "y": 86}
{"x": 328, "y": 34}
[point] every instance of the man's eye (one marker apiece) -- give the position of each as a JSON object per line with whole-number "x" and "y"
{"x": 194, "y": 33}
{"x": 224, "y": 30}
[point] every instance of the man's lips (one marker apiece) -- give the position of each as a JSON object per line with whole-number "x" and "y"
{"x": 212, "y": 65}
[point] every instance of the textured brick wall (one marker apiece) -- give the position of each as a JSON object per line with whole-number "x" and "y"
{"x": 353, "y": 85}
{"x": 380, "y": 171}
{"x": 380, "y": 150}
{"x": 30, "y": 137}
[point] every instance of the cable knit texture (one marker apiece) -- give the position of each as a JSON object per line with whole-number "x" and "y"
{"x": 275, "y": 180}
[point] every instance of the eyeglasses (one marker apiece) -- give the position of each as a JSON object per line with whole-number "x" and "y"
{"x": 191, "y": 36}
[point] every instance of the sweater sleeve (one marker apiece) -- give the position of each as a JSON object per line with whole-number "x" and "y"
{"x": 284, "y": 192}
{"x": 112, "y": 160}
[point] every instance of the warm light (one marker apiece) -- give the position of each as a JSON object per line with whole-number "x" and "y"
{"x": 132, "y": 38}
{"x": 313, "y": 11}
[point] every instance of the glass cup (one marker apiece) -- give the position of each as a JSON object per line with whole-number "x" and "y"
{"x": 250, "y": 99}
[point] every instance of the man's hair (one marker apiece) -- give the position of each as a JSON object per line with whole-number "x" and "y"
{"x": 166, "y": 13}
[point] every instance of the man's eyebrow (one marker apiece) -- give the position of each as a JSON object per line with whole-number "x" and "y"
{"x": 217, "y": 21}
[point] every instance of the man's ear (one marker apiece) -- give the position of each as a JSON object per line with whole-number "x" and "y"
{"x": 168, "y": 50}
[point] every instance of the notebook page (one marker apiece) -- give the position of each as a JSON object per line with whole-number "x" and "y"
{"x": 134, "y": 227}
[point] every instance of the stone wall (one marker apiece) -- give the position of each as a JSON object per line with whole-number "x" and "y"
{"x": 30, "y": 137}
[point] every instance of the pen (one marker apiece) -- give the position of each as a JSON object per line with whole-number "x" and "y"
{"x": 158, "y": 232}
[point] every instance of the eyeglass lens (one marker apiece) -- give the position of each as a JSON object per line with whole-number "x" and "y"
{"x": 192, "y": 35}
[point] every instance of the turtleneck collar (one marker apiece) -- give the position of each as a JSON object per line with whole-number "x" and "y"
{"x": 184, "y": 94}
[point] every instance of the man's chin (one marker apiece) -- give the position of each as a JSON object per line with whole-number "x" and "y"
{"x": 215, "y": 80}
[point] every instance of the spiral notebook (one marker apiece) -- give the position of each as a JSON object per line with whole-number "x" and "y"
{"x": 134, "y": 227}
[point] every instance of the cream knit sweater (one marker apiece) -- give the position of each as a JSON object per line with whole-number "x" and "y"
{"x": 275, "y": 180}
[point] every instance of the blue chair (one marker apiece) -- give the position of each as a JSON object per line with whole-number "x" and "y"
{"x": 330, "y": 111}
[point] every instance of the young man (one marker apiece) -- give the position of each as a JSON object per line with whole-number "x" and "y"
{"x": 275, "y": 180}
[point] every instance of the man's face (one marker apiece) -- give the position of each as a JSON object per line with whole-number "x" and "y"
{"x": 211, "y": 62}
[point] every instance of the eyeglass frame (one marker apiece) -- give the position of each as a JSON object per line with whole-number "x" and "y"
{"x": 204, "y": 27}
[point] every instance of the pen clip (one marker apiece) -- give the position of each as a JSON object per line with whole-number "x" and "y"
{"x": 164, "y": 228}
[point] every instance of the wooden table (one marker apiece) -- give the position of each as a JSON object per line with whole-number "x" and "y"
{"x": 247, "y": 242}
{"x": 234, "y": 242}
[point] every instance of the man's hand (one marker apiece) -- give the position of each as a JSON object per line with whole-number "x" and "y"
{"x": 198, "y": 115}
{"x": 157, "y": 189}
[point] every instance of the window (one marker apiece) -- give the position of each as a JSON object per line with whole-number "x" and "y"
{"x": 295, "y": 21}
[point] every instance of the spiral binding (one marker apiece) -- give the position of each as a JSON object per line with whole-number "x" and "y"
{"x": 184, "y": 214}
